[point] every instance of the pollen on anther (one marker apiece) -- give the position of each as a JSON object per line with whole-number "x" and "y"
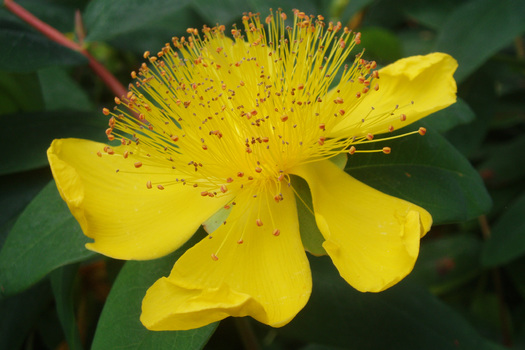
{"x": 369, "y": 137}
{"x": 240, "y": 241}
{"x": 351, "y": 150}
{"x": 259, "y": 222}
{"x": 214, "y": 257}
{"x": 148, "y": 185}
{"x": 284, "y": 118}
{"x": 422, "y": 131}
{"x": 99, "y": 154}
{"x": 276, "y": 232}
{"x": 137, "y": 164}
{"x": 387, "y": 150}
{"x": 160, "y": 187}
{"x": 403, "y": 117}
{"x": 105, "y": 111}
{"x": 224, "y": 189}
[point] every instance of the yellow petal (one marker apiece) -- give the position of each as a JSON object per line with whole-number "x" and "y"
{"x": 125, "y": 218}
{"x": 266, "y": 276}
{"x": 372, "y": 238}
{"x": 418, "y": 85}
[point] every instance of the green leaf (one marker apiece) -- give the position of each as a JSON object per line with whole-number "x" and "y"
{"x": 224, "y": 12}
{"x": 507, "y": 241}
{"x": 310, "y": 235}
{"x": 105, "y": 19}
{"x": 444, "y": 263}
{"x": 478, "y": 29}
{"x": 402, "y": 317}
{"x": 18, "y": 190}
{"x": 504, "y": 163}
{"x": 427, "y": 171}
{"x": 380, "y": 45}
{"x": 119, "y": 326}
{"x": 62, "y": 92}
{"x": 26, "y": 51}
{"x": 457, "y": 114}
{"x": 19, "y": 314}
{"x": 38, "y": 130}
{"x": 62, "y": 282}
{"x": 16, "y": 90}
{"x": 45, "y": 237}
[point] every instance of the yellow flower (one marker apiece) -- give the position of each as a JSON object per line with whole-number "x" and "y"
{"x": 226, "y": 123}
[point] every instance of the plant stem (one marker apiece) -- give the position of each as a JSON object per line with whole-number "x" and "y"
{"x": 109, "y": 79}
{"x": 245, "y": 330}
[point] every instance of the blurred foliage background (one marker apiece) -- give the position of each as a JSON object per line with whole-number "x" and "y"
{"x": 467, "y": 290}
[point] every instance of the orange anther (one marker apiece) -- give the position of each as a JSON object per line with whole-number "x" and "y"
{"x": 258, "y": 169}
{"x": 99, "y": 154}
{"x": 240, "y": 241}
{"x": 322, "y": 126}
{"x": 224, "y": 189}
{"x": 422, "y": 131}
{"x": 137, "y": 164}
{"x": 351, "y": 150}
{"x": 276, "y": 232}
{"x": 240, "y": 174}
{"x": 259, "y": 222}
{"x": 338, "y": 100}
{"x": 105, "y": 111}
{"x": 369, "y": 137}
{"x": 342, "y": 111}
{"x": 204, "y": 147}
{"x": 125, "y": 154}
{"x": 391, "y": 128}
{"x": 148, "y": 185}
{"x": 174, "y": 138}
{"x": 146, "y": 54}
{"x": 117, "y": 100}
{"x": 214, "y": 257}
{"x": 403, "y": 117}
{"x": 204, "y": 193}
{"x": 284, "y": 118}
{"x": 229, "y": 180}
{"x": 160, "y": 187}
{"x": 321, "y": 140}
{"x": 387, "y": 150}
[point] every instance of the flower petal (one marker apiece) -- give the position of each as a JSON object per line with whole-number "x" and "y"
{"x": 372, "y": 238}
{"x": 267, "y": 276}
{"x": 419, "y": 85}
{"x": 125, "y": 218}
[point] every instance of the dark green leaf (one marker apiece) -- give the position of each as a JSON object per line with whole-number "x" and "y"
{"x": 430, "y": 13}
{"x": 224, "y": 12}
{"x": 119, "y": 325}
{"x": 479, "y": 93}
{"x": 403, "y": 317}
{"x": 310, "y": 235}
{"x": 18, "y": 190}
{"x": 106, "y": 19}
{"x": 444, "y": 263}
{"x": 504, "y": 163}
{"x": 380, "y": 45}
{"x": 62, "y": 92}
{"x": 19, "y": 92}
{"x": 45, "y": 237}
{"x": 507, "y": 241}
{"x": 38, "y": 130}
{"x": 62, "y": 282}
{"x": 457, "y": 114}
{"x": 19, "y": 314}
{"x": 426, "y": 171}
{"x": 478, "y": 29}
{"x": 26, "y": 51}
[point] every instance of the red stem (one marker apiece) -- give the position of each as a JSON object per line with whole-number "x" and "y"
{"x": 56, "y": 36}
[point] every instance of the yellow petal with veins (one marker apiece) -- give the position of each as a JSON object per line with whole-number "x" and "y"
{"x": 115, "y": 208}
{"x": 408, "y": 90}
{"x": 267, "y": 276}
{"x": 372, "y": 238}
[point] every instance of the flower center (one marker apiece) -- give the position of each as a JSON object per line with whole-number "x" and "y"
{"x": 231, "y": 113}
